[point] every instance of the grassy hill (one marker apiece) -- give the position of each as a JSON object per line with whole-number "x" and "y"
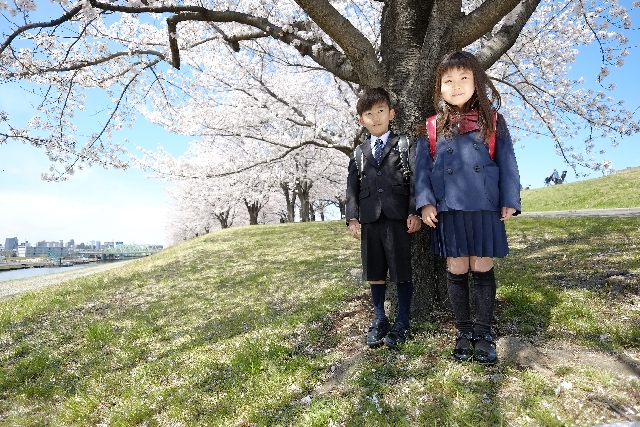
{"x": 265, "y": 325}
{"x": 619, "y": 190}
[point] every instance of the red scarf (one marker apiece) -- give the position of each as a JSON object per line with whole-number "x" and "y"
{"x": 466, "y": 122}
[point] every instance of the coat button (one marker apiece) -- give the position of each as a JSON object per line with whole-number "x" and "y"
{"x": 380, "y": 190}
{"x": 477, "y": 169}
{"x": 379, "y": 173}
{"x": 476, "y": 146}
{"x": 449, "y": 171}
{"x": 449, "y": 150}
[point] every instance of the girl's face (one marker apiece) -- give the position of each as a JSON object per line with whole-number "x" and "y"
{"x": 457, "y": 86}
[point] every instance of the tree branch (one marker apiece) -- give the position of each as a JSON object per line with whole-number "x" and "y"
{"x": 325, "y": 55}
{"x": 502, "y": 41}
{"x": 480, "y": 21}
{"x": 97, "y": 61}
{"x": 66, "y": 17}
{"x": 356, "y": 47}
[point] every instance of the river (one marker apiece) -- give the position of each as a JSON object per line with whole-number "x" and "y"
{"x": 32, "y": 272}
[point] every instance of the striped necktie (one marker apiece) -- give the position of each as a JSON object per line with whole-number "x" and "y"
{"x": 378, "y": 150}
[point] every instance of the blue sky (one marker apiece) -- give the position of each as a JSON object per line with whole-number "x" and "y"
{"x": 106, "y": 205}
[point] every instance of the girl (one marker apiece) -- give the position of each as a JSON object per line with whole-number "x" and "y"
{"x": 465, "y": 193}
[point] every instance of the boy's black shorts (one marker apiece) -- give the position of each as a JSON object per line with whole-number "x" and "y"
{"x": 386, "y": 245}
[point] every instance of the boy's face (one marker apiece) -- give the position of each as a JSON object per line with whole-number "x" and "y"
{"x": 377, "y": 119}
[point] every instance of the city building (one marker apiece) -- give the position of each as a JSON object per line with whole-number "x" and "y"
{"x": 11, "y": 243}
{"x": 45, "y": 248}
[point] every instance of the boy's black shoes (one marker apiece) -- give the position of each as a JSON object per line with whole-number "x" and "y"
{"x": 377, "y": 332}
{"x": 463, "y": 350}
{"x": 396, "y": 336}
{"x": 485, "y": 353}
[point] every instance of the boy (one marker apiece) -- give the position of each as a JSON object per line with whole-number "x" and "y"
{"x": 381, "y": 205}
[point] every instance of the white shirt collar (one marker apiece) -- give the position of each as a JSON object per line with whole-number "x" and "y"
{"x": 384, "y": 139}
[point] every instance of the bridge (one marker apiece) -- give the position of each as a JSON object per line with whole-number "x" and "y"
{"x": 120, "y": 251}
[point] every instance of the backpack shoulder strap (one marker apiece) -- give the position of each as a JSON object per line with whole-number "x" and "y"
{"x": 403, "y": 146}
{"x": 431, "y": 132}
{"x": 359, "y": 158}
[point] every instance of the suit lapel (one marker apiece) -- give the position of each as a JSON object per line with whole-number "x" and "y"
{"x": 366, "y": 150}
{"x": 391, "y": 142}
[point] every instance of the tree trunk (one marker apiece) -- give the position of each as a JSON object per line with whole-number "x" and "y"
{"x": 290, "y": 198}
{"x": 404, "y": 31}
{"x": 223, "y": 218}
{"x": 303, "y": 187}
{"x": 254, "y": 210}
{"x": 342, "y": 205}
{"x": 312, "y": 212}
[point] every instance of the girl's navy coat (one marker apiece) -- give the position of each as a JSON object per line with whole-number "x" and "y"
{"x": 462, "y": 176}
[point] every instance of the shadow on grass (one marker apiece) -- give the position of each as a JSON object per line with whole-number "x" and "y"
{"x": 129, "y": 343}
{"x": 572, "y": 279}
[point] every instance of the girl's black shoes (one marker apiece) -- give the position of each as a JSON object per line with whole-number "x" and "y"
{"x": 486, "y": 354}
{"x": 474, "y": 348}
{"x": 463, "y": 352}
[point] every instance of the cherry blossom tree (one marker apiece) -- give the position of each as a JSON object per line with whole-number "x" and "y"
{"x": 190, "y": 65}
{"x": 309, "y": 179}
{"x": 208, "y": 183}
{"x": 198, "y": 207}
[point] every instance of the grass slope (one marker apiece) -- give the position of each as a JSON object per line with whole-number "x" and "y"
{"x": 619, "y": 190}
{"x": 263, "y": 326}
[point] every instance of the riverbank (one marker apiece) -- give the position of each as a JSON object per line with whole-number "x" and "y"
{"x": 15, "y": 286}
{"x": 265, "y": 326}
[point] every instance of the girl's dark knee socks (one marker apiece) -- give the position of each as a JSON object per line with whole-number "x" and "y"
{"x": 458, "y": 290}
{"x": 484, "y": 286}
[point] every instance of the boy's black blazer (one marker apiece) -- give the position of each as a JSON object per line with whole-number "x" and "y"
{"x": 382, "y": 188}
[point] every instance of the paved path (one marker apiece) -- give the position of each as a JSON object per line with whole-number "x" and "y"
{"x": 11, "y": 287}
{"x": 616, "y": 212}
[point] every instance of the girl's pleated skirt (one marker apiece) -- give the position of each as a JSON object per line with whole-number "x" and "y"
{"x": 469, "y": 233}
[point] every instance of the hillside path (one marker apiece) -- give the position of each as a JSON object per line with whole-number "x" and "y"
{"x": 17, "y": 286}
{"x": 613, "y": 212}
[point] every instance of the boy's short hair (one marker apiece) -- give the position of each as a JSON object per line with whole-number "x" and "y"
{"x": 371, "y": 97}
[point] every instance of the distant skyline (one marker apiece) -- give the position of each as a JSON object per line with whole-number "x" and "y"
{"x": 115, "y": 205}
{"x": 65, "y": 242}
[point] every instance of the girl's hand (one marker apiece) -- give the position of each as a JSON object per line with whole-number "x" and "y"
{"x": 506, "y": 213}
{"x": 428, "y": 214}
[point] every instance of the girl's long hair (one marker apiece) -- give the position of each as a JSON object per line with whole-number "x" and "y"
{"x": 486, "y": 97}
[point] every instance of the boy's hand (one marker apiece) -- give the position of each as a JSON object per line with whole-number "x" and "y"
{"x": 354, "y": 228}
{"x": 428, "y": 214}
{"x": 506, "y": 213}
{"x": 413, "y": 224}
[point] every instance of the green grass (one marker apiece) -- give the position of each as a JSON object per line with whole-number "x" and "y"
{"x": 619, "y": 190}
{"x": 263, "y": 326}
{"x": 246, "y": 327}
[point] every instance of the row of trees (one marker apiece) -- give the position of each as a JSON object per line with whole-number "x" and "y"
{"x": 271, "y": 144}
{"x": 258, "y": 83}
{"x": 298, "y": 188}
